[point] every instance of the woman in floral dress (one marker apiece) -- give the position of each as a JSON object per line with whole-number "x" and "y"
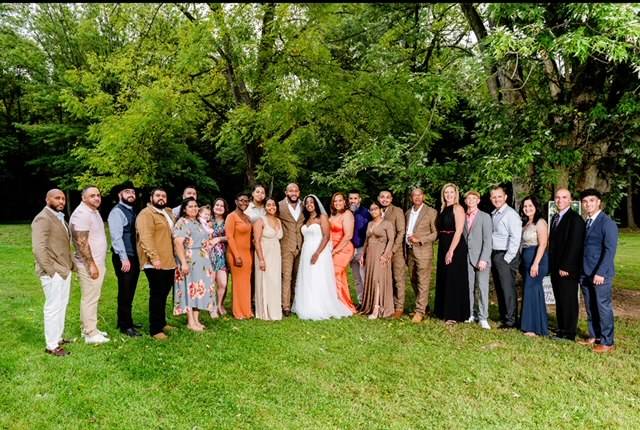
{"x": 194, "y": 284}
{"x": 219, "y": 250}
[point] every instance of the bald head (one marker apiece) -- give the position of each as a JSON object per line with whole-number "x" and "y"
{"x": 563, "y": 198}
{"x": 56, "y": 199}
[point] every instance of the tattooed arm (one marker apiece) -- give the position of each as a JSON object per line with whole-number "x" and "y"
{"x": 81, "y": 242}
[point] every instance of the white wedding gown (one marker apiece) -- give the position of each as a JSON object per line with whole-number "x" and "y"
{"x": 316, "y": 295}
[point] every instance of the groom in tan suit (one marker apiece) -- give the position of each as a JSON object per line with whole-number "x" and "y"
{"x": 421, "y": 233}
{"x": 395, "y": 216}
{"x": 51, "y": 245}
{"x": 290, "y": 212}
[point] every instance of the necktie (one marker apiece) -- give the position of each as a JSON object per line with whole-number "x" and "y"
{"x": 589, "y": 223}
{"x": 554, "y": 221}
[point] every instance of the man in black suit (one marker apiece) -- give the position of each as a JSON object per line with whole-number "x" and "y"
{"x": 566, "y": 242}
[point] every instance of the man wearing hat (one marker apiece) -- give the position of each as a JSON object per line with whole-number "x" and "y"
{"x": 122, "y": 227}
{"x": 478, "y": 231}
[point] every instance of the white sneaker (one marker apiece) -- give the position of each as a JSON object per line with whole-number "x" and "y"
{"x": 104, "y": 333}
{"x": 485, "y": 324}
{"x": 471, "y": 320}
{"x": 96, "y": 339}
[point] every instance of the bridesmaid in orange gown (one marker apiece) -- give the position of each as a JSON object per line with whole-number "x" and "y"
{"x": 240, "y": 261}
{"x": 342, "y": 223}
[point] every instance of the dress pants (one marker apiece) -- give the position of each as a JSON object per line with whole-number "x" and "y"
{"x": 599, "y": 306}
{"x": 127, "y": 283}
{"x": 357, "y": 272}
{"x": 289, "y": 272}
{"x": 90, "y": 290}
{"x": 478, "y": 292}
{"x": 565, "y": 291}
{"x": 56, "y": 297}
{"x": 398, "y": 266}
{"x": 160, "y": 283}
{"x": 504, "y": 278}
{"x": 420, "y": 265}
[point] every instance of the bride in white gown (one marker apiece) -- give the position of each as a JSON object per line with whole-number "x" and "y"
{"x": 316, "y": 295}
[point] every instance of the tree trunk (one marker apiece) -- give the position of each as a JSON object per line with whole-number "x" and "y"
{"x": 631, "y": 221}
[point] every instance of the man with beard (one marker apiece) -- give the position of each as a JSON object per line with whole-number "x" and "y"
{"x": 362, "y": 218}
{"x": 51, "y": 244}
{"x": 154, "y": 225}
{"x": 122, "y": 227}
{"x": 395, "y": 216}
{"x": 290, "y": 212}
{"x": 90, "y": 240}
{"x": 189, "y": 191}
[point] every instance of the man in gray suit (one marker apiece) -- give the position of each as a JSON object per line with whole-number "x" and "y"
{"x": 51, "y": 245}
{"x": 477, "y": 232}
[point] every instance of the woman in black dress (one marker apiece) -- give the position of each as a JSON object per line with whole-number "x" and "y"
{"x": 452, "y": 282}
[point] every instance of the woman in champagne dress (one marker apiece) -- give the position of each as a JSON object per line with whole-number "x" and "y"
{"x": 267, "y": 232}
{"x": 377, "y": 298}
{"x": 341, "y": 223}
{"x": 238, "y": 232}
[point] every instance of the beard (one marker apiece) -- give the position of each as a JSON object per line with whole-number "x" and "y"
{"x": 354, "y": 207}
{"x": 159, "y": 205}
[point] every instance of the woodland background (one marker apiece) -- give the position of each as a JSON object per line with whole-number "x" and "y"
{"x": 333, "y": 96}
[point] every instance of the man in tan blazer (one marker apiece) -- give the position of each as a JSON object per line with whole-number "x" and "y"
{"x": 421, "y": 233}
{"x": 51, "y": 245}
{"x": 395, "y": 216}
{"x": 154, "y": 225}
{"x": 290, "y": 213}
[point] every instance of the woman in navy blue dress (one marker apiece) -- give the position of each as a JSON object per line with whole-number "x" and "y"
{"x": 534, "y": 267}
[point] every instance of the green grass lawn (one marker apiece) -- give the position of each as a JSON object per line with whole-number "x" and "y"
{"x": 351, "y": 373}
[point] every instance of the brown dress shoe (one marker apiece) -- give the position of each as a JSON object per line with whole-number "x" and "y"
{"x": 160, "y": 336}
{"x": 397, "y": 314}
{"x": 603, "y": 348}
{"x": 167, "y": 328}
{"x": 588, "y": 341}
{"x": 58, "y": 352}
{"x": 417, "y": 318}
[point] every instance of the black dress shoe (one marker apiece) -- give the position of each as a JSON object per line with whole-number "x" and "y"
{"x": 131, "y": 332}
{"x": 286, "y": 313}
{"x": 506, "y": 326}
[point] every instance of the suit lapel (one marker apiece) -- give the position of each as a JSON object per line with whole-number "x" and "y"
{"x": 56, "y": 222}
{"x": 594, "y": 223}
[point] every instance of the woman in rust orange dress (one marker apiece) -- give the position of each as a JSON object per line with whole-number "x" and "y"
{"x": 342, "y": 223}
{"x": 238, "y": 232}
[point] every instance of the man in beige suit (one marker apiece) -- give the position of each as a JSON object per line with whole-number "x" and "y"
{"x": 290, "y": 212}
{"x": 51, "y": 245}
{"x": 421, "y": 233}
{"x": 395, "y": 216}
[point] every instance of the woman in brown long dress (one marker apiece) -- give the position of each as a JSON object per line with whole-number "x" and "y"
{"x": 238, "y": 232}
{"x": 377, "y": 298}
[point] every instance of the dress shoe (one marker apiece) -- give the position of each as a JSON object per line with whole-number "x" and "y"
{"x": 167, "y": 328}
{"x": 561, "y": 339}
{"x": 504, "y": 326}
{"x": 96, "y": 339}
{"x": 485, "y": 324}
{"x": 417, "y": 318}
{"x": 64, "y": 342}
{"x": 58, "y": 352}
{"x": 398, "y": 314}
{"x": 160, "y": 336}
{"x": 131, "y": 332}
{"x": 588, "y": 341}
{"x": 603, "y": 348}
{"x": 286, "y": 313}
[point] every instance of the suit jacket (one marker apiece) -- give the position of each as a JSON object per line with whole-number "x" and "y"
{"x": 395, "y": 216}
{"x": 600, "y": 243}
{"x": 479, "y": 239}
{"x": 425, "y": 230}
{"x": 51, "y": 245}
{"x": 154, "y": 238}
{"x": 291, "y": 235}
{"x": 566, "y": 244}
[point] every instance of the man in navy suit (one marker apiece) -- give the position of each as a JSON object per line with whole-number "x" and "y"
{"x": 600, "y": 243}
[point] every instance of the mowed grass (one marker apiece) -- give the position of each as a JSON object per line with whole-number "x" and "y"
{"x": 350, "y": 373}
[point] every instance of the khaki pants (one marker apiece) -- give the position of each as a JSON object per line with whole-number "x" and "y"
{"x": 398, "y": 266}
{"x": 90, "y": 290}
{"x": 289, "y": 272}
{"x": 420, "y": 266}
